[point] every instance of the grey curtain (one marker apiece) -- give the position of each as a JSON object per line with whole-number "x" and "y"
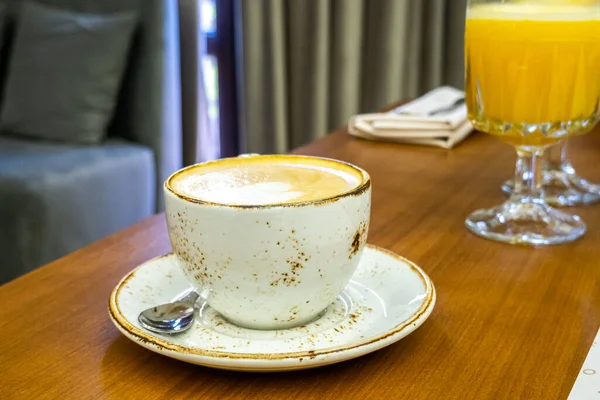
{"x": 306, "y": 66}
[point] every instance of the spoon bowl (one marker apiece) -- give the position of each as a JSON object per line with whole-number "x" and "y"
{"x": 174, "y": 317}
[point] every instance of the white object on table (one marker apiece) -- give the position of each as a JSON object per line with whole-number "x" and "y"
{"x": 436, "y": 119}
{"x": 387, "y": 299}
{"x": 587, "y": 384}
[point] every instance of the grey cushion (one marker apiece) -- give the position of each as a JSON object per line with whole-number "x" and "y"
{"x": 55, "y": 198}
{"x": 64, "y": 73}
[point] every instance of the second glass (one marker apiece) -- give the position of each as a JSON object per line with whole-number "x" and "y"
{"x": 531, "y": 80}
{"x": 561, "y": 185}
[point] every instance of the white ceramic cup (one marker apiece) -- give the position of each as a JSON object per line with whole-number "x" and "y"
{"x": 270, "y": 266}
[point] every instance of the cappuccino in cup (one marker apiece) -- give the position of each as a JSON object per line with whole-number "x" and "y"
{"x": 268, "y": 241}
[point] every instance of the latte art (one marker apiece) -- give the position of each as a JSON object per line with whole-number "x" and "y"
{"x": 266, "y": 180}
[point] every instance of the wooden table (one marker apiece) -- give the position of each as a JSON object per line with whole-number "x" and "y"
{"x": 510, "y": 322}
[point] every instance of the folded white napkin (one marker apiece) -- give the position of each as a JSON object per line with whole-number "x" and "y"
{"x": 587, "y": 384}
{"x": 438, "y": 118}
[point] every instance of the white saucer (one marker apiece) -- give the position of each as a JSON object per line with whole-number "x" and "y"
{"x": 388, "y": 298}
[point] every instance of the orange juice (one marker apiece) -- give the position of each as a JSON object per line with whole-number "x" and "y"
{"x": 533, "y": 72}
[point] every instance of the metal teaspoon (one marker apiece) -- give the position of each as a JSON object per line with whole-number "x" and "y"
{"x": 174, "y": 317}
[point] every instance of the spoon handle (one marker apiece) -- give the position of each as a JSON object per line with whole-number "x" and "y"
{"x": 191, "y": 297}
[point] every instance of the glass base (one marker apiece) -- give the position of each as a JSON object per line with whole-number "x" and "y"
{"x": 563, "y": 189}
{"x": 525, "y": 223}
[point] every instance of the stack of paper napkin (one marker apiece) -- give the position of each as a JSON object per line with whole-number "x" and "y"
{"x": 438, "y": 118}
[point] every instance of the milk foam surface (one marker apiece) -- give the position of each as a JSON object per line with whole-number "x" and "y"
{"x": 535, "y": 12}
{"x": 266, "y": 181}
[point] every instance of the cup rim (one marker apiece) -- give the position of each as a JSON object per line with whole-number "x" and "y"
{"x": 355, "y": 191}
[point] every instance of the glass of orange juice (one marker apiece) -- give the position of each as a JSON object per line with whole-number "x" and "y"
{"x": 532, "y": 79}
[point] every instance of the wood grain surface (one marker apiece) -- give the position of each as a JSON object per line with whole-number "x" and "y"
{"x": 510, "y": 322}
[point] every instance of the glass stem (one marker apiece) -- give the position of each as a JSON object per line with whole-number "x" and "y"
{"x": 554, "y": 156}
{"x": 528, "y": 176}
{"x": 563, "y": 159}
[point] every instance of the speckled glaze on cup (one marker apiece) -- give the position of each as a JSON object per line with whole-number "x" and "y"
{"x": 270, "y": 266}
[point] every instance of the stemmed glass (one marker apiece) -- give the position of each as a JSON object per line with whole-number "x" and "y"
{"x": 531, "y": 80}
{"x": 562, "y": 186}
